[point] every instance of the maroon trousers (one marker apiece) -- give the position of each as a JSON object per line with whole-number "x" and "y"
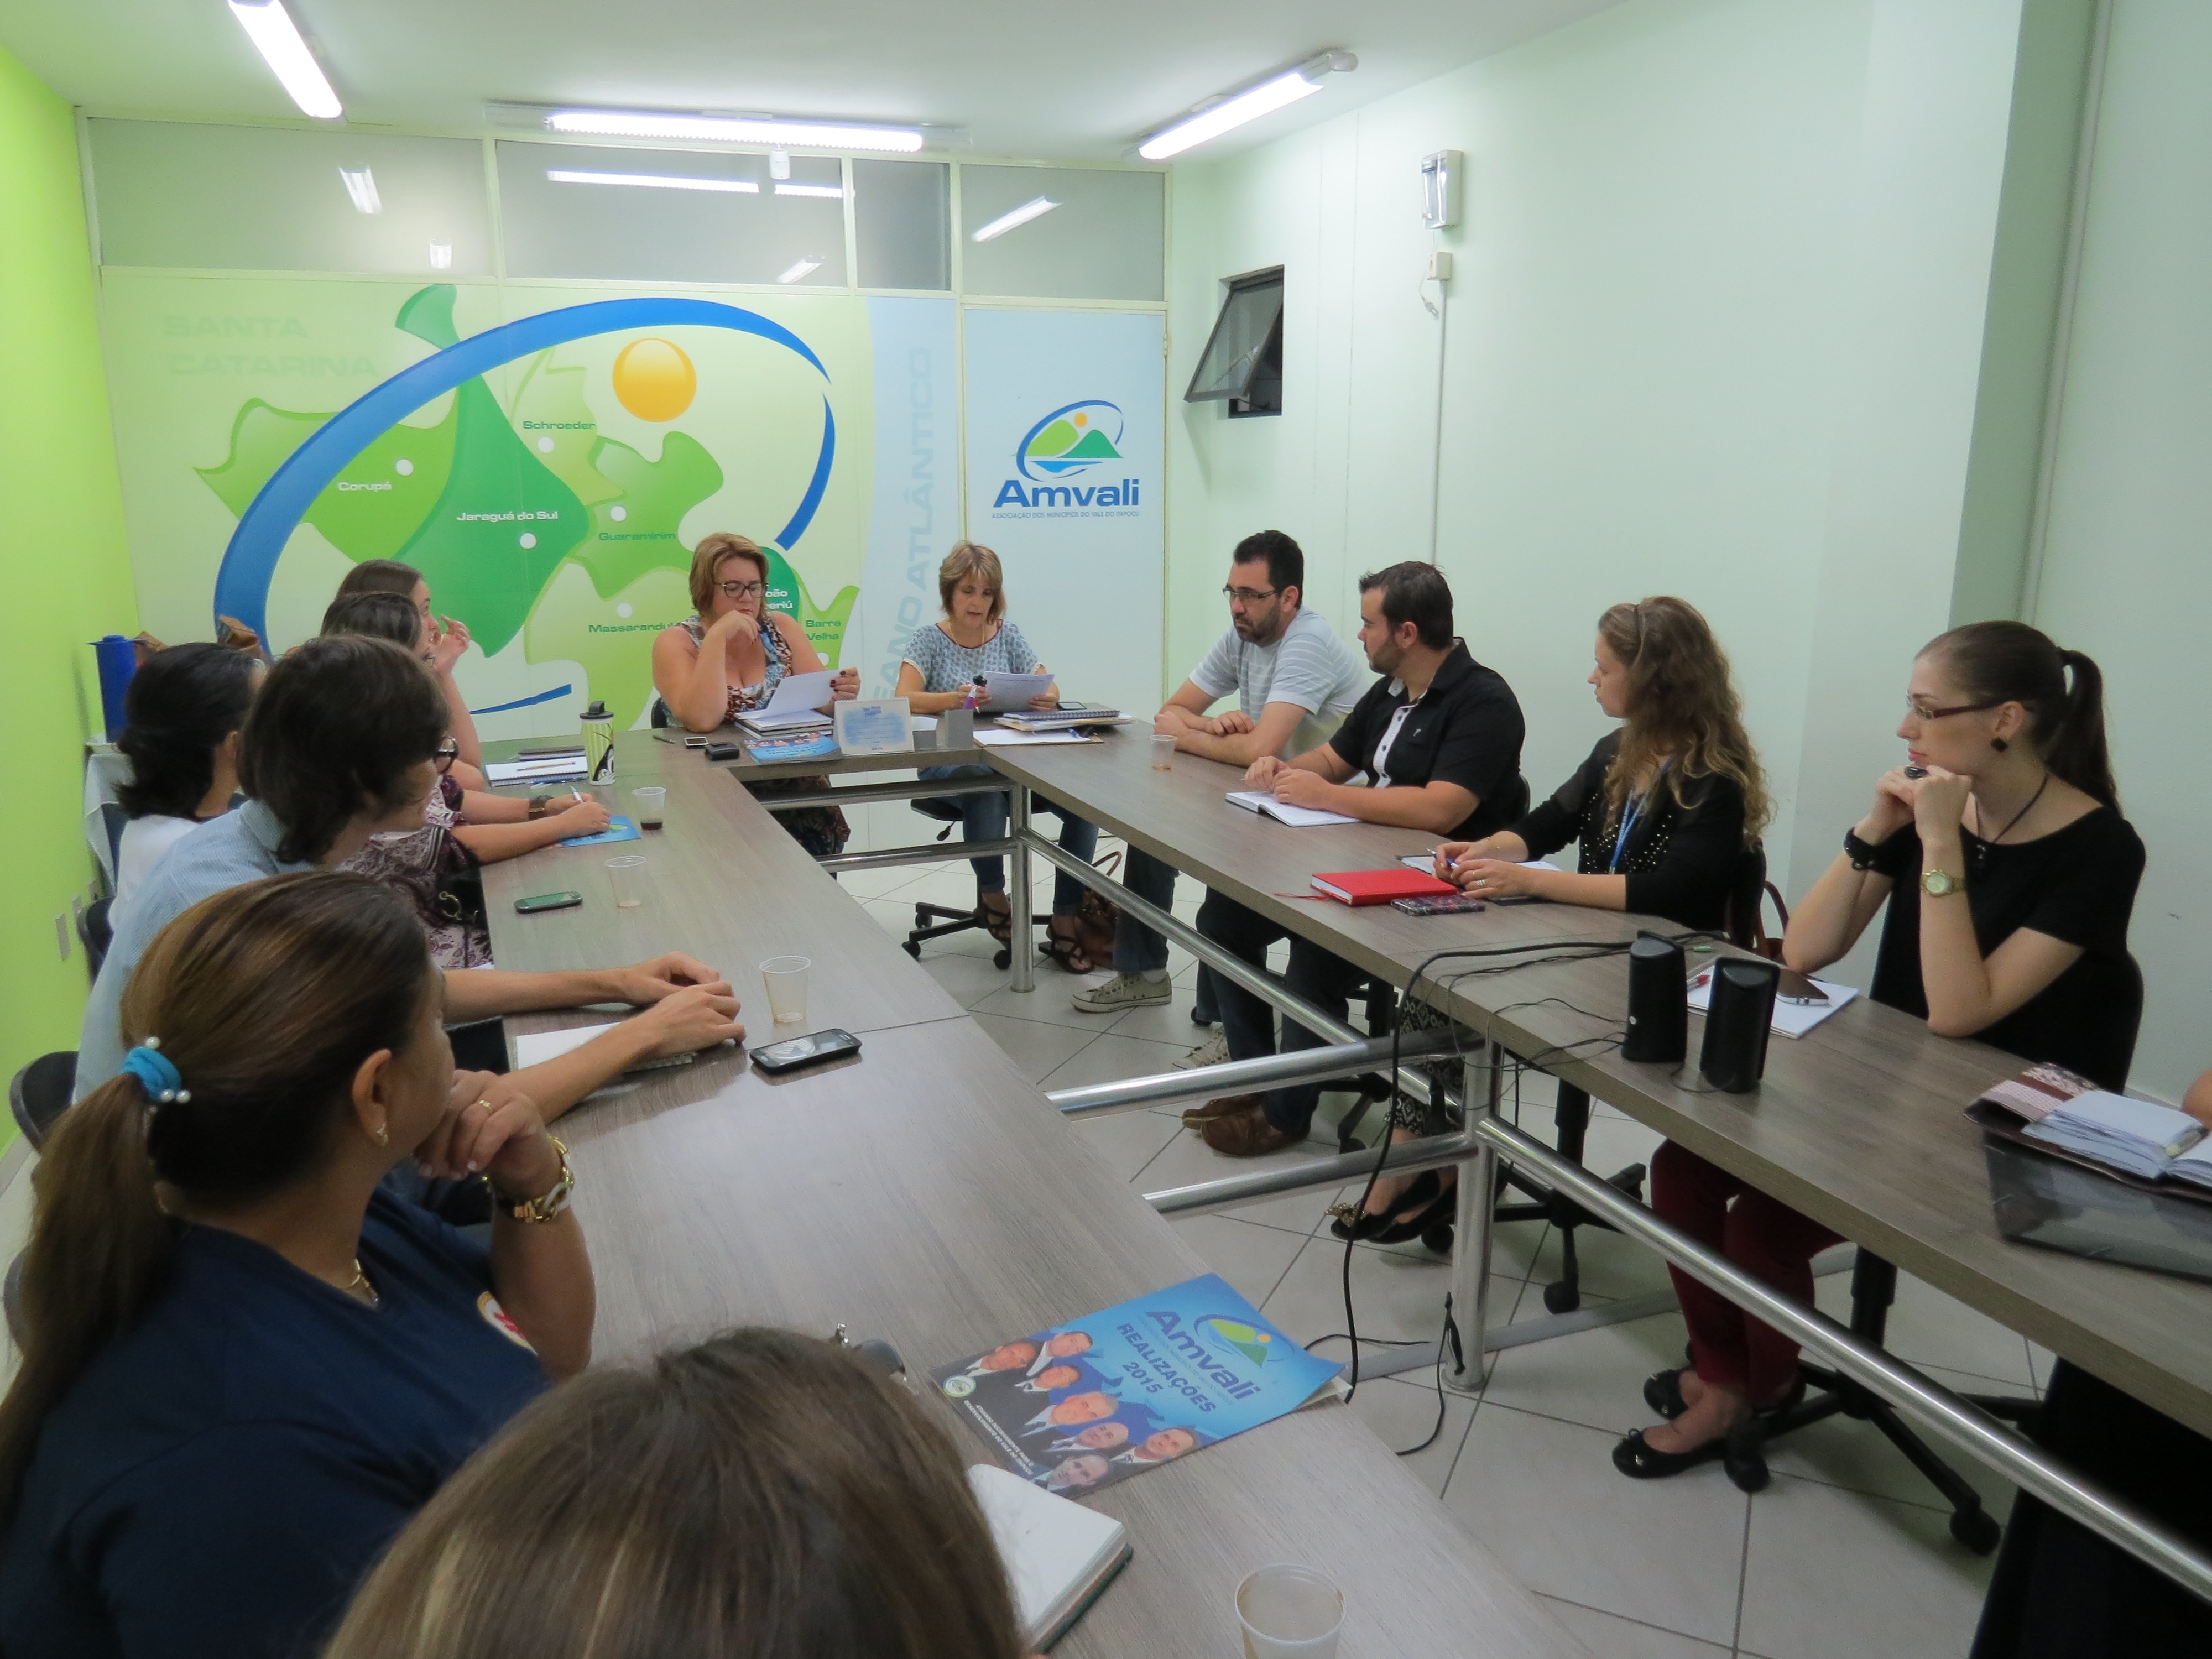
{"x": 1768, "y": 1239}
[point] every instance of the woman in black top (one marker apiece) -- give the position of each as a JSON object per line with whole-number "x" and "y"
{"x": 1663, "y": 808}
{"x": 2009, "y": 875}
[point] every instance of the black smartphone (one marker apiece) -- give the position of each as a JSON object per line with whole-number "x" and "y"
{"x": 1439, "y": 904}
{"x": 530, "y": 907}
{"x": 809, "y": 1050}
{"x": 725, "y": 751}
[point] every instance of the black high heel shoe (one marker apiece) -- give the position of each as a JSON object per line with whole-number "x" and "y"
{"x": 1352, "y": 1223}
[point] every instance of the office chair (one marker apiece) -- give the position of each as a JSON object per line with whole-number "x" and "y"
{"x": 1745, "y": 924}
{"x": 938, "y": 921}
{"x": 39, "y": 1093}
{"x": 11, "y": 1294}
{"x": 95, "y": 934}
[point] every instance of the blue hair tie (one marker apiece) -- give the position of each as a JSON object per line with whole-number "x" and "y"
{"x": 156, "y": 1074}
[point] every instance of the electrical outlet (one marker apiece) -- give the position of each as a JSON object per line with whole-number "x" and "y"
{"x": 62, "y": 933}
{"x": 1440, "y": 265}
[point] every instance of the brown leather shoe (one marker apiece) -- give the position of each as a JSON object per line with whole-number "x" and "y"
{"x": 1246, "y": 1134}
{"x": 1197, "y": 1117}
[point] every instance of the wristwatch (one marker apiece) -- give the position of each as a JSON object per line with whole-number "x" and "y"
{"x": 550, "y": 1202}
{"x": 1936, "y": 884}
{"x": 539, "y": 805}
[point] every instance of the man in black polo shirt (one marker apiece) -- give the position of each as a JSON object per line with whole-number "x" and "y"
{"x": 1439, "y": 739}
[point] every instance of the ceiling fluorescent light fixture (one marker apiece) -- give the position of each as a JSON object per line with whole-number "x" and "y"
{"x": 270, "y": 29}
{"x": 732, "y": 129}
{"x": 653, "y": 181}
{"x": 827, "y": 192}
{"x": 803, "y": 268}
{"x": 1234, "y": 109}
{"x": 1036, "y": 208}
{"x": 360, "y": 185}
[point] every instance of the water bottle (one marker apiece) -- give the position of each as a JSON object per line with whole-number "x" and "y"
{"x": 118, "y": 661}
{"x": 599, "y": 744}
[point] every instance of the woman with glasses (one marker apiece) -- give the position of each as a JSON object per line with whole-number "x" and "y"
{"x": 729, "y": 656}
{"x": 2009, "y": 876}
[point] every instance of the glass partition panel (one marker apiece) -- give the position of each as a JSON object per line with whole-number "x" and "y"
{"x": 1063, "y": 233}
{"x": 670, "y": 216}
{"x": 276, "y": 199}
{"x": 900, "y": 212}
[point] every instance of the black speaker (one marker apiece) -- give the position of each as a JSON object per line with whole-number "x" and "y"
{"x": 1658, "y": 1001}
{"x": 1737, "y": 1024}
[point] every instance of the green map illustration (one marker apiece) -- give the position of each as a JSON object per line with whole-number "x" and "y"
{"x": 491, "y": 503}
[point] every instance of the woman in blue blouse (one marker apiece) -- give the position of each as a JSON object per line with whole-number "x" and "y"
{"x": 245, "y": 1364}
{"x": 944, "y": 662}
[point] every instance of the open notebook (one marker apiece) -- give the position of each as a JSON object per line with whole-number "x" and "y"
{"x": 1298, "y": 817}
{"x": 1058, "y": 1555}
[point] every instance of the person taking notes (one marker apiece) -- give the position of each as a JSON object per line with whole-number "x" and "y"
{"x": 1293, "y": 680}
{"x": 1439, "y": 738}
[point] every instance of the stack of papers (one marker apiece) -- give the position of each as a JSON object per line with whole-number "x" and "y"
{"x": 796, "y": 706}
{"x": 2140, "y": 1137}
{"x": 1791, "y": 1019}
{"x": 1004, "y": 694}
{"x": 1055, "y": 720}
{"x": 1058, "y": 1555}
{"x": 1026, "y": 739}
{"x": 538, "y": 768}
{"x": 1298, "y": 817}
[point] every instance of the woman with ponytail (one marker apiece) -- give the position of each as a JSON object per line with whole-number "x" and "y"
{"x": 2009, "y": 876}
{"x": 244, "y": 1364}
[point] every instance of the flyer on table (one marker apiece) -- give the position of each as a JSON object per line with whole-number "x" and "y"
{"x": 1116, "y": 1392}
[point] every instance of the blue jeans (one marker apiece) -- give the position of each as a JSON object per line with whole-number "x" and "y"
{"x": 1137, "y": 949}
{"x": 1319, "y": 977}
{"x": 983, "y": 817}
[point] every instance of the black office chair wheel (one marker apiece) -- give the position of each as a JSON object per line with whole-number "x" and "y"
{"x": 1439, "y": 1238}
{"x": 1978, "y": 1529}
{"x": 1002, "y": 959}
{"x": 911, "y": 949}
{"x": 1562, "y": 1298}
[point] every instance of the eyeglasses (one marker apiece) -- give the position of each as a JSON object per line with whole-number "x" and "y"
{"x": 446, "y": 754}
{"x": 741, "y": 590}
{"x": 1249, "y": 595}
{"x": 1915, "y": 709}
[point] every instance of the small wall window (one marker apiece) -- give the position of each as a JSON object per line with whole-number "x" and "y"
{"x": 1242, "y": 362}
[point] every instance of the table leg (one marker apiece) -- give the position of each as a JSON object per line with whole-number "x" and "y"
{"x": 1018, "y": 899}
{"x": 1468, "y": 1367}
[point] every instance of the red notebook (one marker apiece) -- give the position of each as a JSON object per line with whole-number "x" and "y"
{"x": 1378, "y": 886}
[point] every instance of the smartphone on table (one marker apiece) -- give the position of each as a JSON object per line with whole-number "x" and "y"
{"x": 812, "y": 1050}
{"x": 530, "y": 907}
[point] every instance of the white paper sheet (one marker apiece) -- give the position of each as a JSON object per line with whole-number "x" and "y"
{"x": 1011, "y": 693}
{"x": 1791, "y": 1019}
{"x": 1003, "y": 739}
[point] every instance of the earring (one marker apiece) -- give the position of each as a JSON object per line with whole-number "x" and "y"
{"x": 1999, "y": 745}
{"x": 381, "y": 1135}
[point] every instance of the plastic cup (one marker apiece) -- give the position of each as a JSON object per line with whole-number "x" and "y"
{"x": 1163, "y": 753}
{"x": 652, "y": 805}
{"x": 787, "y": 988}
{"x": 628, "y": 875}
{"x": 1290, "y": 1612}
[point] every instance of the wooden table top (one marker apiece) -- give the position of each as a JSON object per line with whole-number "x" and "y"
{"x": 1860, "y": 1124}
{"x": 926, "y": 1193}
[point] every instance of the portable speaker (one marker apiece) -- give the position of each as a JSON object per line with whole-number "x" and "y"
{"x": 1737, "y": 1024}
{"x": 1658, "y": 1001}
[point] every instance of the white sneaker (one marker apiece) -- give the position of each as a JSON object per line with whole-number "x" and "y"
{"x": 1214, "y": 1051}
{"x": 1123, "y": 992}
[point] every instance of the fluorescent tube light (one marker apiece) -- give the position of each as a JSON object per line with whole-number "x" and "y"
{"x": 1036, "y": 208}
{"x": 805, "y": 267}
{"x": 360, "y": 185}
{"x": 732, "y": 129}
{"x": 270, "y": 29}
{"x": 827, "y": 192}
{"x": 1250, "y": 105}
{"x": 653, "y": 181}
{"x": 442, "y": 256}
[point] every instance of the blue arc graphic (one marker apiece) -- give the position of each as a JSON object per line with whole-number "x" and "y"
{"x": 241, "y": 585}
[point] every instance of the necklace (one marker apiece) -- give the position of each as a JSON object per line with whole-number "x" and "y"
{"x": 360, "y": 1282}
{"x": 2011, "y": 823}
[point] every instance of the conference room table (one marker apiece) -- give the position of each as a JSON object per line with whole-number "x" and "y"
{"x": 924, "y": 1193}
{"x": 1860, "y": 1124}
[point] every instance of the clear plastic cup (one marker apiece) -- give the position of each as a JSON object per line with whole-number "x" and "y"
{"x": 786, "y": 977}
{"x": 1290, "y": 1612}
{"x": 628, "y": 875}
{"x": 1163, "y": 753}
{"x": 651, "y": 805}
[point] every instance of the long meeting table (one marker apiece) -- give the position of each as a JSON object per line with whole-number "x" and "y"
{"x": 924, "y": 1192}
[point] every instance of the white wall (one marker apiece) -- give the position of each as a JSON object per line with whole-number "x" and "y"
{"x": 2127, "y": 570}
{"x": 1716, "y": 331}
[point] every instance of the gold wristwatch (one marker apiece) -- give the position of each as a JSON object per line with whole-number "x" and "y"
{"x": 550, "y": 1202}
{"x": 1936, "y": 884}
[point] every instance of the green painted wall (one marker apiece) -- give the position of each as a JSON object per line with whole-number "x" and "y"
{"x": 63, "y": 564}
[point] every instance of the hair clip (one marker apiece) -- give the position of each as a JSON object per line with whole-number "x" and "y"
{"x": 157, "y": 1074}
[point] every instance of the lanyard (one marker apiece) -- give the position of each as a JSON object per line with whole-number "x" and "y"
{"x": 1631, "y": 810}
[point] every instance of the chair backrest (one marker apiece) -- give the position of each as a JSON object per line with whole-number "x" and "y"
{"x": 39, "y": 1093}
{"x": 11, "y": 1295}
{"x": 659, "y": 715}
{"x": 94, "y": 933}
{"x": 1517, "y": 796}
{"x": 1743, "y": 919}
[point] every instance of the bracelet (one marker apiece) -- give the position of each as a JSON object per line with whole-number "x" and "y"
{"x": 1863, "y": 854}
{"x": 538, "y": 805}
{"x": 532, "y": 1211}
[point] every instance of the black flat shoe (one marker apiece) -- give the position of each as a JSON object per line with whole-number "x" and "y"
{"x": 1363, "y": 1225}
{"x": 1442, "y": 1208}
{"x": 1638, "y": 1460}
{"x": 1662, "y": 1392}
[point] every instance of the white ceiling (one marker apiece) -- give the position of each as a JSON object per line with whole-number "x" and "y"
{"x": 1020, "y": 83}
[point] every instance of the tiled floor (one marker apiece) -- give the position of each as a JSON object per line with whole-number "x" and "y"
{"x": 1845, "y": 1556}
